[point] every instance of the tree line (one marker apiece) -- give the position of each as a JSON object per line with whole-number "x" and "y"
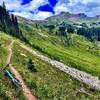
{"x": 9, "y": 23}
{"x": 63, "y": 29}
{"x": 92, "y": 33}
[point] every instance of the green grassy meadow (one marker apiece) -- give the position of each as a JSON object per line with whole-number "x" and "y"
{"x": 74, "y": 50}
{"x": 49, "y": 83}
{"x": 7, "y": 90}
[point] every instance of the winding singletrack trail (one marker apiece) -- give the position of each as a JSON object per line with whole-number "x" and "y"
{"x": 81, "y": 76}
{"x": 25, "y": 89}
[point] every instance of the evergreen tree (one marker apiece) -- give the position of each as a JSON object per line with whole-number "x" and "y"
{"x": 31, "y": 66}
{"x": 62, "y": 30}
{"x": 9, "y": 23}
{"x": 3, "y": 5}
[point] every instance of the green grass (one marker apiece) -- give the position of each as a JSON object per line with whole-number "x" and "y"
{"x": 81, "y": 53}
{"x": 7, "y": 90}
{"x": 4, "y": 42}
{"x": 49, "y": 83}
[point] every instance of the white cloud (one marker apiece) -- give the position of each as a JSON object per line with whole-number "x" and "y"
{"x": 16, "y": 4}
{"x": 12, "y": 4}
{"x": 42, "y": 15}
{"x": 34, "y": 4}
{"x": 60, "y": 7}
{"x": 82, "y": 6}
{"x": 24, "y": 10}
{"x": 74, "y": 2}
{"x": 24, "y": 14}
{"x": 37, "y": 16}
{"x": 95, "y": 11}
{"x": 75, "y": 6}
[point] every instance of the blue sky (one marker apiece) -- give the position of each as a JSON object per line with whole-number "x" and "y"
{"x": 41, "y": 9}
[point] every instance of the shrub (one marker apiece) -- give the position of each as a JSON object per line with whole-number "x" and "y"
{"x": 31, "y": 65}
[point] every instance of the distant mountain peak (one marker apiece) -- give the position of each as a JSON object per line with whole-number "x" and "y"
{"x": 70, "y": 15}
{"x": 82, "y": 15}
{"x": 97, "y": 16}
{"x": 66, "y": 16}
{"x": 64, "y": 12}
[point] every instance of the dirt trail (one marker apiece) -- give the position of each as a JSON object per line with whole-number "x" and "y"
{"x": 10, "y": 53}
{"x": 82, "y": 76}
{"x": 25, "y": 89}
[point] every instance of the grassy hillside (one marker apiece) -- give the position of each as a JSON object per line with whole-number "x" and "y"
{"x": 75, "y": 51}
{"x": 71, "y": 18}
{"x": 4, "y": 43}
{"x": 48, "y": 83}
{"x": 7, "y": 90}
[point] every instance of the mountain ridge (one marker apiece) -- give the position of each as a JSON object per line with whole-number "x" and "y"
{"x": 69, "y": 46}
{"x": 63, "y": 16}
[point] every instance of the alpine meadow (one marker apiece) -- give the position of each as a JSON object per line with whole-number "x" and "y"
{"x": 56, "y": 58}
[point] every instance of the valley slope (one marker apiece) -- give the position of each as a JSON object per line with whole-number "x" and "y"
{"x": 45, "y": 81}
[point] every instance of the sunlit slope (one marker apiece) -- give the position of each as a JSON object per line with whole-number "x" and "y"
{"x": 48, "y": 82}
{"x": 73, "y": 50}
{"x": 7, "y": 89}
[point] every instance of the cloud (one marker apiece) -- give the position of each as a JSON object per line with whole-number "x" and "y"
{"x": 24, "y": 14}
{"x": 34, "y": 4}
{"x": 95, "y": 11}
{"x": 60, "y": 8}
{"x": 74, "y": 2}
{"x": 30, "y": 9}
{"x": 42, "y": 15}
{"x": 17, "y": 8}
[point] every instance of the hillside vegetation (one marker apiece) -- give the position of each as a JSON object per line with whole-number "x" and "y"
{"x": 72, "y": 43}
{"x": 47, "y": 82}
{"x": 73, "y": 50}
{"x": 7, "y": 90}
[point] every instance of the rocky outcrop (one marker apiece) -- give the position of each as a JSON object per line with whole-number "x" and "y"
{"x": 84, "y": 77}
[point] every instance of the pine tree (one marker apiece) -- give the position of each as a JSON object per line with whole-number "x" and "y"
{"x": 17, "y": 27}
{"x": 31, "y": 66}
{"x": 3, "y": 5}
